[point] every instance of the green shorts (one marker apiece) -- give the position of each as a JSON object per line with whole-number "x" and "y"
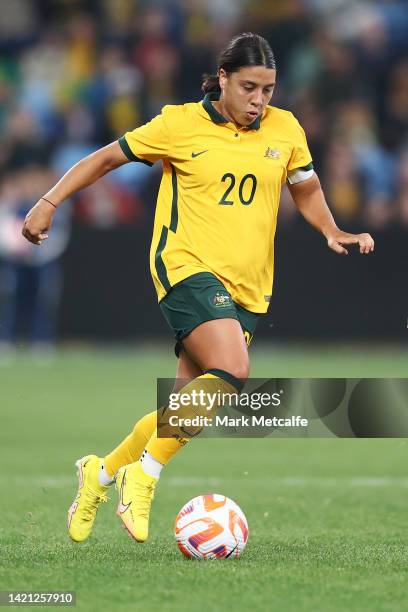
{"x": 199, "y": 298}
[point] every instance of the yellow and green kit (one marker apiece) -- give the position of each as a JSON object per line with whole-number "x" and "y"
{"x": 219, "y": 196}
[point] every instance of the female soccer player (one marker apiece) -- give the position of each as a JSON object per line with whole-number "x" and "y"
{"x": 224, "y": 161}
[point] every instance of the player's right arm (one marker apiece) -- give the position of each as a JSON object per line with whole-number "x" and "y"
{"x": 84, "y": 173}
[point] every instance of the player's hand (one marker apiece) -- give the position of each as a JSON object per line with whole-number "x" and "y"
{"x": 337, "y": 239}
{"x": 38, "y": 221}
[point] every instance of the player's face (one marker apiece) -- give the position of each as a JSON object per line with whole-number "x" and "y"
{"x": 245, "y": 93}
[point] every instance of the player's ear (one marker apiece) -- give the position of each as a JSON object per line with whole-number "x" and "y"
{"x": 223, "y": 78}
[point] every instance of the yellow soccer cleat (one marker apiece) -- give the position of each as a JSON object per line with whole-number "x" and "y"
{"x": 82, "y": 512}
{"x": 136, "y": 493}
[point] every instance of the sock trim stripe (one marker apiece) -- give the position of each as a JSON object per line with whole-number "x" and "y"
{"x": 229, "y": 378}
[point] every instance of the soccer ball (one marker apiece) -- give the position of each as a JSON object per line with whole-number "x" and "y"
{"x": 211, "y": 526}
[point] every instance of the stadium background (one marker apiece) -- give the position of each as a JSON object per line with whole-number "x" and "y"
{"x": 326, "y": 516}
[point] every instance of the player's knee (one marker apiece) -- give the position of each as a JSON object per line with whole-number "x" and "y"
{"x": 240, "y": 370}
{"x": 234, "y": 373}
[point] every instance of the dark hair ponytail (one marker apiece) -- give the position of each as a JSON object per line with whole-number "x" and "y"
{"x": 246, "y": 49}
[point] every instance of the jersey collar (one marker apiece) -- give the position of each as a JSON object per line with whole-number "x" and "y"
{"x": 217, "y": 117}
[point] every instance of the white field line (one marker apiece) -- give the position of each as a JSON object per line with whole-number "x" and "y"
{"x": 45, "y": 481}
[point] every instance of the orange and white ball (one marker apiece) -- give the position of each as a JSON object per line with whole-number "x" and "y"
{"x": 211, "y": 526}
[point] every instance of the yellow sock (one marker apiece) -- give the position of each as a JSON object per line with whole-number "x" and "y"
{"x": 213, "y": 381}
{"x": 130, "y": 449}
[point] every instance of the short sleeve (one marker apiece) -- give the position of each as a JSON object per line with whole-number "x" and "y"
{"x": 301, "y": 156}
{"x": 147, "y": 143}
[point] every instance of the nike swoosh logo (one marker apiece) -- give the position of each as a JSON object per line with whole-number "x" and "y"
{"x": 122, "y": 507}
{"x": 199, "y": 153}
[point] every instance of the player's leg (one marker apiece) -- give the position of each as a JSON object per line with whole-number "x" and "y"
{"x": 220, "y": 350}
{"x": 205, "y": 320}
{"x": 131, "y": 448}
{"x": 96, "y": 474}
{"x": 136, "y": 484}
{"x": 221, "y": 344}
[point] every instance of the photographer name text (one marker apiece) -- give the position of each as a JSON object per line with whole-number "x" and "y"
{"x": 241, "y": 421}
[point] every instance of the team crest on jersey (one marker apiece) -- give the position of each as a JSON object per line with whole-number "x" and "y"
{"x": 221, "y": 300}
{"x": 272, "y": 153}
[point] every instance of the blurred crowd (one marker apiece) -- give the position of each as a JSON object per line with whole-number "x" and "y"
{"x": 76, "y": 74}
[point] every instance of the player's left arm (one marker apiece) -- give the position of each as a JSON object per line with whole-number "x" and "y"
{"x": 309, "y": 199}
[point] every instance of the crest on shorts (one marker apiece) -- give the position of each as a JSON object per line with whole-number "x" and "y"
{"x": 221, "y": 300}
{"x": 272, "y": 153}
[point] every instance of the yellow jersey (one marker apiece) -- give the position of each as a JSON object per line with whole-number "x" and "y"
{"x": 219, "y": 196}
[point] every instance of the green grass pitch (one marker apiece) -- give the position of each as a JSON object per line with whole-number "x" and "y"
{"x": 327, "y": 517}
